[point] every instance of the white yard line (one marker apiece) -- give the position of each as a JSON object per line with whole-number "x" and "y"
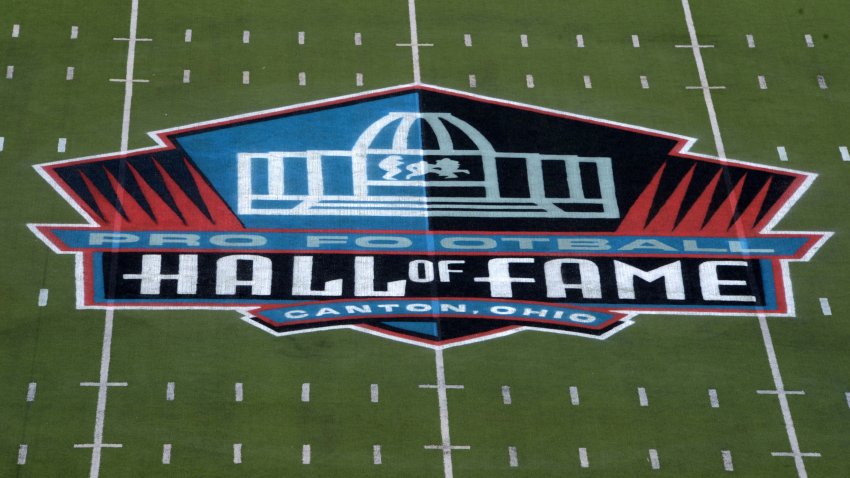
{"x": 302, "y": 79}
{"x": 42, "y": 297}
{"x": 587, "y": 83}
{"x": 305, "y": 392}
{"x": 727, "y": 460}
{"x": 238, "y": 392}
{"x": 512, "y": 458}
{"x": 169, "y": 392}
{"x": 128, "y": 78}
{"x": 442, "y": 398}
{"x": 580, "y": 41}
{"x": 703, "y": 80}
{"x": 825, "y": 308}
{"x": 246, "y": 36}
{"x": 102, "y": 385}
{"x": 414, "y": 41}
{"x": 644, "y": 82}
{"x": 358, "y": 79}
{"x": 523, "y": 40}
{"x": 751, "y": 42}
{"x": 62, "y": 145}
{"x": 376, "y": 455}
{"x": 822, "y": 82}
{"x": 10, "y": 72}
{"x": 529, "y": 81}
{"x": 845, "y": 155}
{"x": 847, "y": 396}
{"x": 374, "y": 393}
{"x": 246, "y": 77}
{"x": 75, "y": 32}
{"x": 2, "y": 143}
{"x": 782, "y": 395}
{"x": 358, "y": 39}
{"x": 306, "y": 454}
{"x": 187, "y": 76}
{"x": 473, "y": 81}
{"x": 783, "y": 155}
{"x": 187, "y": 35}
{"x": 635, "y": 41}
{"x": 582, "y": 458}
{"x": 166, "y": 454}
{"x": 16, "y": 30}
{"x": 712, "y": 398}
{"x": 762, "y": 82}
{"x": 301, "y": 38}
{"x": 506, "y": 395}
{"x": 69, "y": 73}
{"x": 31, "y": 391}
{"x": 467, "y": 39}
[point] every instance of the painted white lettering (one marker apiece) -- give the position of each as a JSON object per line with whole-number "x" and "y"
{"x": 589, "y": 284}
{"x": 525, "y": 243}
{"x": 237, "y": 240}
{"x": 651, "y": 244}
{"x": 388, "y": 242}
{"x": 670, "y": 273}
{"x": 740, "y": 246}
{"x": 151, "y": 276}
{"x": 468, "y": 243}
{"x": 445, "y": 271}
{"x": 690, "y": 245}
{"x": 302, "y": 279}
{"x": 421, "y": 271}
{"x": 319, "y": 241}
{"x": 226, "y": 276}
{"x": 101, "y": 238}
{"x": 326, "y": 311}
{"x": 452, "y": 307}
{"x": 184, "y": 239}
{"x": 710, "y": 282}
{"x": 358, "y": 309}
{"x": 583, "y": 244}
{"x": 295, "y": 314}
{"x": 500, "y": 276}
{"x": 364, "y": 280}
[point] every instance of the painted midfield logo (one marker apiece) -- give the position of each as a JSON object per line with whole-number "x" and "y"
{"x": 429, "y": 216}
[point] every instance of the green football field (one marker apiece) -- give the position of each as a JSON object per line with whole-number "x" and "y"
{"x": 143, "y": 393}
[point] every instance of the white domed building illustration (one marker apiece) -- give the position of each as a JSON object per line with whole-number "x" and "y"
{"x": 391, "y": 173}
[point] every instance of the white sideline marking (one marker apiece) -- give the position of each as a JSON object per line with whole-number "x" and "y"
{"x": 783, "y": 155}
{"x": 751, "y": 42}
{"x": 809, "y": 42}
{"x": 302, "y": 79}
{"x": 75, "y": 32}
{"x": 644, "y": 82}
{"x": 727, "y": 460}
{"x": 305, "y": 454}
{"x": 712, "y": 398}
{"x": 2, "y": 142}
{"x": 61, "y": 145}
{"x": 10, "y": 72}
{"x": 22, "y": 454}
{"x": 187, "y": 76}
{"x": 580, "y": 41}
{"x": 246, "y": 36}
{"x": 16, "y": 30}
{"x": 166, "y": 454}
{"x": 847, "y": 396}
{"x": 246, "y": 77}
{"x": 301, "y": 38}
{"x": 446, "y": 442}
{"x": 305, "y": 392}
{"x": 822, "y": 82}
{"x": 523, "y": 40}
{"x": 31, "y": 388}
{"x": 653, "y": 459}
{"x": 635, "y": 41}
{"x": 825, "y": 307}
{"x": 845, "y": 155}
{"x": 506, "y": 395}
{"x": 703, "y": 80}
{"x": 582, "y": 458}
{"x": 69, "y": 73}
{"x": 358, "y": 39}
{"x": 169, "y": 392}
{"x": 42, "y": 297}
{"x": 574, "y": 396}
{"x": 783, "y": 401}
{"x": 376, "y": 455}
{"x": 187, "y": 35}
{"x": 529, "y": 81}
{"x": 467, "y": 39}
{"x": 358, "y": 79}
{"x": 238, "y": 391}
{"x": 644, "y": 401}
{"x": 587, "y": 83}
{"x": 512, "y": 458}
{"x": 237, "y": 453}
{"x": 373, "y": 393}
{"x": 103, "y": 385}
{"x": 762, "y": 82}
{"x": 473, "y": 81}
